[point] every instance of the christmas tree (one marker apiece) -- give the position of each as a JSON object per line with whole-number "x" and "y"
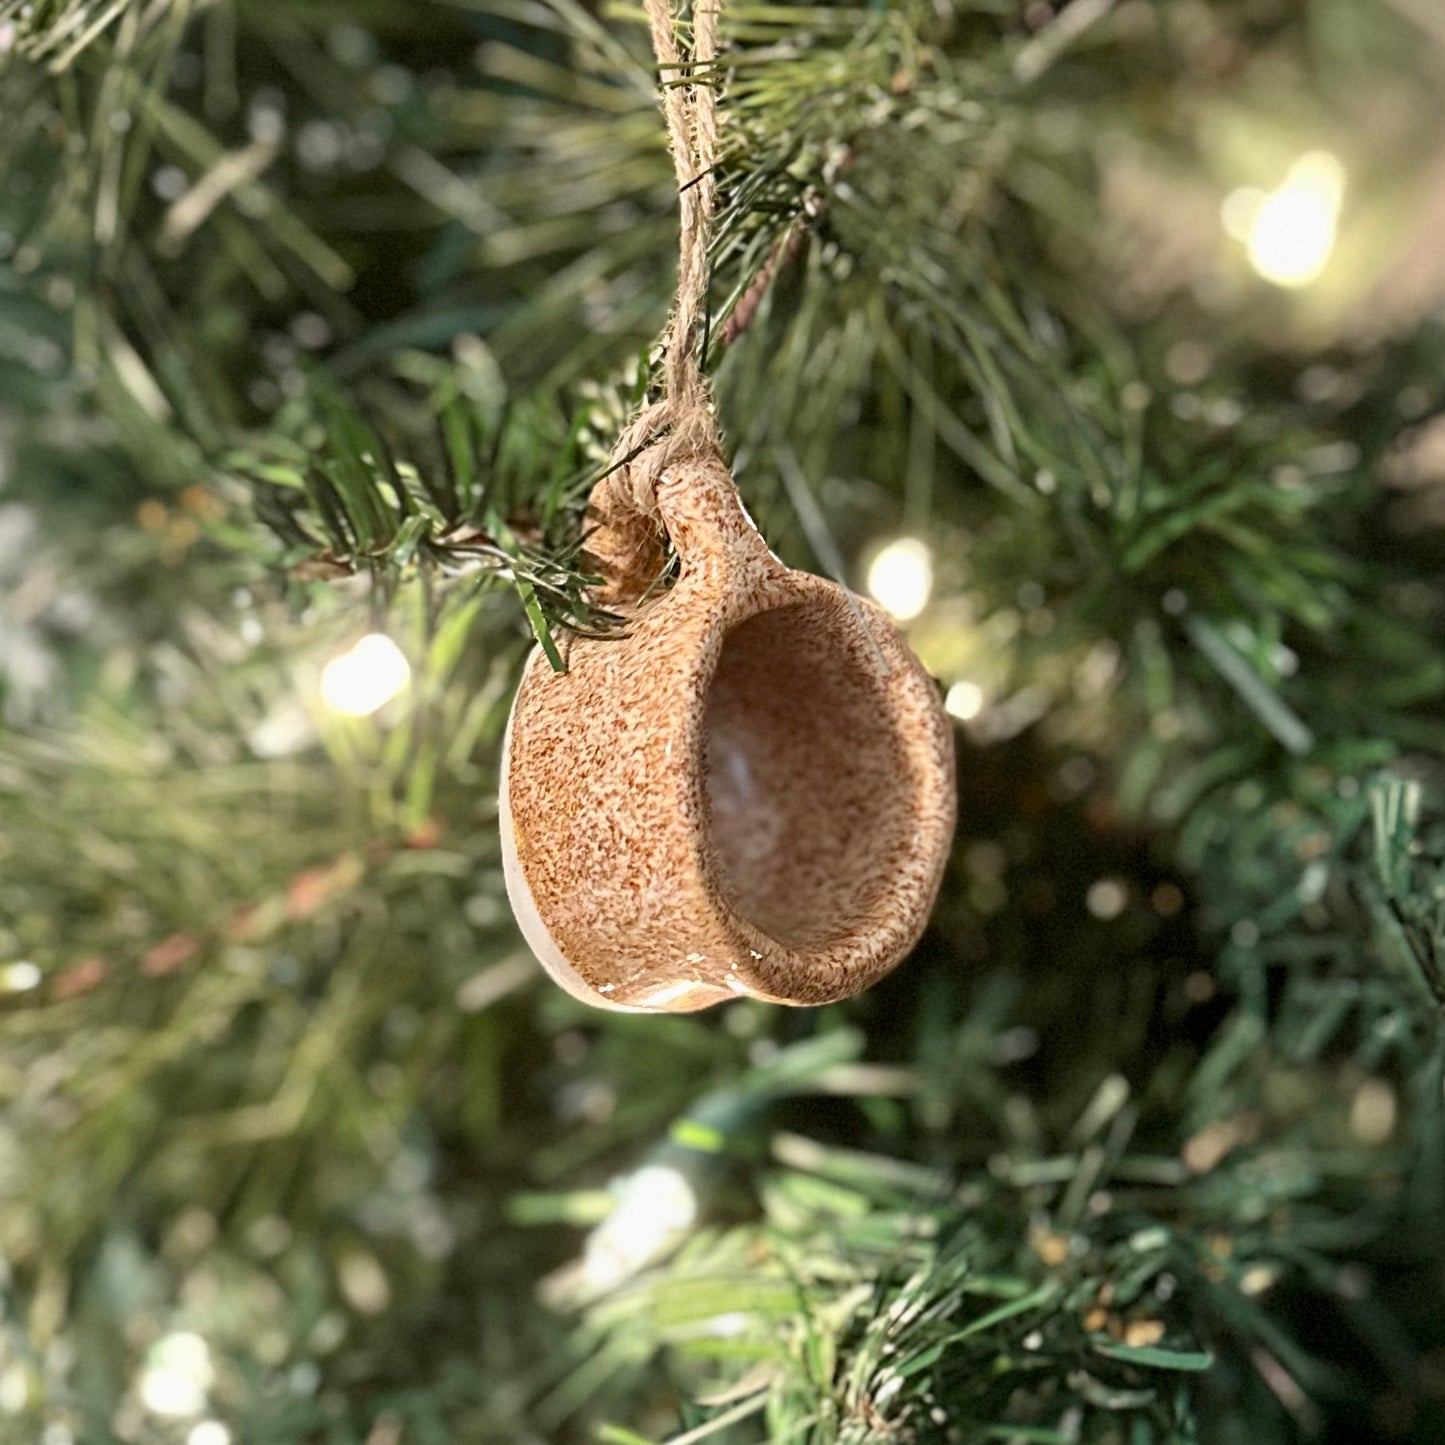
{"x": 1099, "y": 342}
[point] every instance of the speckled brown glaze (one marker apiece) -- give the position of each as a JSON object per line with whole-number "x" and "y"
{"x": 749, "y": 793}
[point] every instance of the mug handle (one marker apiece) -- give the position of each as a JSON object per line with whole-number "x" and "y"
{"x": 704, "y": 515}
{"x": 698, "y": 510}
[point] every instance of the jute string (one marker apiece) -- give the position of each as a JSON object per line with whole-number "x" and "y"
{"x": 626, "y": 543}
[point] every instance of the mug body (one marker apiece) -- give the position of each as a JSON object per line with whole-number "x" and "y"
{"x": 603, "y": 805}
{"x": 750, "y": 793}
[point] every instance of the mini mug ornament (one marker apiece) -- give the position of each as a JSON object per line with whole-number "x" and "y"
{"x": 751, "y": 792}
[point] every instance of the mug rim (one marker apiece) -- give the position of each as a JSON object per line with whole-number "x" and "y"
{"x": 882, "y": 944}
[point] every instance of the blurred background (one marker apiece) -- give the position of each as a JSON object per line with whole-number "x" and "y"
{"x": 1101, "y": 342}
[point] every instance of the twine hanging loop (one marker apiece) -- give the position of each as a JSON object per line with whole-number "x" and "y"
{"x": 626, "y": 538}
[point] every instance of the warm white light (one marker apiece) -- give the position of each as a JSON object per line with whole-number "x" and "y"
{"x": 900, "y": 577}
{"x": 19, "y": 977}
{"x": 1107, "y": 898}
{"x": 365, "y": 677}
{"x": 1239, "y": 212}
{"x": 1289, "y": 233}
{"x": 177, "y": 1375}
{"x": 364, "y": 1283}
{"x": 964, "y": 701}
{"x": 1374, "y": 1112}
{"x": 656, "y": 1205}
{"x": 208, "y": 1432}
{"x": 14, "y": 1390}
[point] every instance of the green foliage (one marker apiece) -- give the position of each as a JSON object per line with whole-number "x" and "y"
{"x": 346, "y": 503}
{"x": 322, "y": 319}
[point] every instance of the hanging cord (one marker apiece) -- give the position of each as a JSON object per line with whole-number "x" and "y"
{"x": 626, "y": 543}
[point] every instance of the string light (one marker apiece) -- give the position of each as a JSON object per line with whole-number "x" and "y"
{"x": 14, "y": 1389}
{"x": 177, "y": 1376}
{"x": 1373, "y": 1112}
{"x": 19, "y": 977}
{"x": 900, "y": 577}
{"x": 364, "y": 678}
{"x": 656, "y": 1206}
{"x": 1289, "y": 233}
{"x": 208, "y": 1432}
{"x": 964, "y": 700}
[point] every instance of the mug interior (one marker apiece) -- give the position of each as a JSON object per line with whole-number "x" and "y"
{"x": 811, "y": 789}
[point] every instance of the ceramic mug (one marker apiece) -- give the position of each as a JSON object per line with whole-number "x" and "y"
{"x": 750, "y": 793}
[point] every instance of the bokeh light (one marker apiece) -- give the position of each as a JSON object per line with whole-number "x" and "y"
{"x": 964, "y": 700}
{"x": 364, "y": 678}
{"x": 177, "y": 1375}
{"x": 19, "y": 977}
{"x": 656, "y": 1207}
{"x": 900, "y": 577}
{"x": 1289, "y": 233}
